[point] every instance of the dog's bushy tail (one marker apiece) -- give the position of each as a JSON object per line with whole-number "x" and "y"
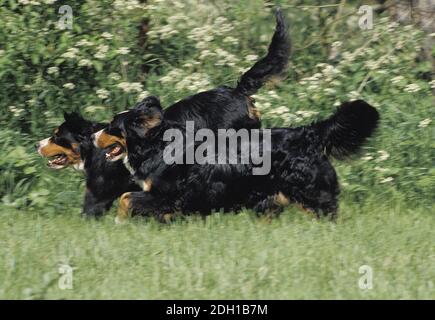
{"x": 273, "y": 64}
{"x": 345, "y": 132}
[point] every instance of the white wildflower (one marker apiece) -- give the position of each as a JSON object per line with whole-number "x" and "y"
{"x": 103, "y": 93}
{"x": 126, "y": 5}
{"x": 94, "y": 108}
{"x": 424, "y": 123}
{"x": 372, "y": 64}
{"x": 53, "y": 70}
{"x": 130, "y": 86}
{"x": 85, "y": 63}
{"x": 31, "y": 102}
{"x": 123, "y": 50}
{"x": 251, "y": 57}
{"x": 101, "y": 51}
{"x": 71, "y": 53}
{"x": 302, "y": 95}
{"x": 278, "y": 111}
{"x": 387, "y": 179}
{"x": 231, "y": 40}
{"x": 273, "y": 94}
{"x": 306, "y": 114}
{"x": 348, "y": 56}
{"x": 136, "y": 86}
{"x": 432, "y": 84}
{"x": 114, "y": 76}
{"x": 353, "y": 95}
{"x": 125, "y": 86}
{"x": 84, "y": 43}
{"x": 142, "y": 95}
{"x": 107, "y": 35}
{"x": 69, "y": 86}
{"x": 383, "y": 155}
{"x": 413, "y": 87}
{"x": 330, "y": 91}
{"x": 397, "y": 79}
{"x": 16, "y": 111}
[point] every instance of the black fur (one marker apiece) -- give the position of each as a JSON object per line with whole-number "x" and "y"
{"x": 300, "y": 171}
{"x": 273, "y": 64}
{"x": 223, "y": 107}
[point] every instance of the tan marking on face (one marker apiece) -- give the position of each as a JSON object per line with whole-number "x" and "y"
{"x": 103, "y": 140}
{"x": 47, "y": 149}
{"x": 124, "y": 207}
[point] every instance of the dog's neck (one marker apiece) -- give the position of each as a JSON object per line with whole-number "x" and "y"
{"x": 88, "y": 151}
{"x": 145, "y": 154}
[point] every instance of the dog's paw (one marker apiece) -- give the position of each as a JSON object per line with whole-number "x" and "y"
{"x": 119, "y": 221}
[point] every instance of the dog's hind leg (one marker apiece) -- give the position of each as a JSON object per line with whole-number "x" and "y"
{"x": 322, "y": 202}
{"x": 318, "y": 191}
{"x": 124, "y": 208}
{"x": 272, "y": 205}
{"x": 143, "y": 204}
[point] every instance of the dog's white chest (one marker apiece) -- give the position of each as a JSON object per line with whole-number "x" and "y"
{"x": 128, "y": 166}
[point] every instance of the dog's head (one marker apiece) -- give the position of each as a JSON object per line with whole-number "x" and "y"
{"x": 133, "y": 123}
{"x": 63, "y": 148}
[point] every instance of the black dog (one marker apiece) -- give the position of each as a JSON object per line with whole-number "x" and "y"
{"x": 223, "y": 107}
{"x": 300, "y": 169}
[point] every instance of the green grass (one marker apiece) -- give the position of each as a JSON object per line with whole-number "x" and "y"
{"x": 223, "y": 256}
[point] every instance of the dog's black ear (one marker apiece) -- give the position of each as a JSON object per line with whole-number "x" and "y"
{"x": 149, "y": 102}
{"x": 78, "y": 124}
{"x": 151, "y": 117}
{"x": 73, "y": 117}
{"x": 145, "y": 119}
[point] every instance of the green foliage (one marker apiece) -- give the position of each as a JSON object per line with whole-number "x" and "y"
{"x": 104, "y": 65}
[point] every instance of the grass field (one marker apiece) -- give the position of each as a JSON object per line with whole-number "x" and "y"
{"x": 222, "y": 257}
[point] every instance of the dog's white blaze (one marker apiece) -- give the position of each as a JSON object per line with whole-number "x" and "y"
{"x": 79, "y": 166}
{"x": 42, "y": 144}
{"x": 97, "y": 136}
{"x": 128, "y": 166}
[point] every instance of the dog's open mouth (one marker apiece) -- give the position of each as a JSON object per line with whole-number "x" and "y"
{"x": 114, "y": 151}
{"x": 59, "y": 160}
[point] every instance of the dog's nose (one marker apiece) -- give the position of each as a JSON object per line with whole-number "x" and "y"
{"x": 37, "y": 145}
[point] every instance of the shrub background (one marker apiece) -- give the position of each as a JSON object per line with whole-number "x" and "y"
{"x": 120, "y": 51}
